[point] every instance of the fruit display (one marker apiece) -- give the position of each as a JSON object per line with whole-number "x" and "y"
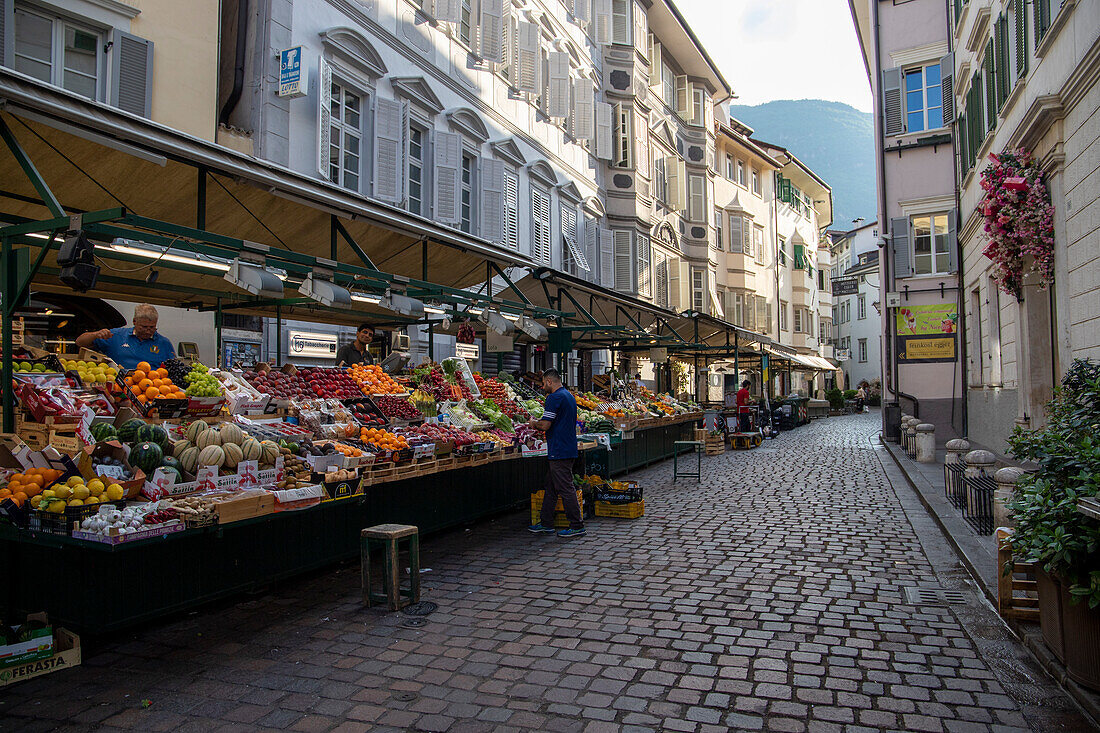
{"x": 234, "y": 386}
{"x": 29, "y": 484}
{"x": 503, "y": 397}
{"x": 438, "y": 433}
{"x": 279, "y": 385}
{"x": 201, "y": 383}
{"x": 134, "y": 518}
{"x": 586, "y": 402}
{"x": 197, "y": 509}
{"x": 116, "y": 468}
{"x": 458, "y": 371}
{"x": 75, "y": 492}
{"x": 501, "y": 438}
{"x": 424, "y": 403}
{"x": 365, "y": 412}
{"x": 399, "y": 408}
{"x": 26, "y": 366}
{"x": 374, "y": 381}
{"x": 383, "y": 439}
{"x": 146, "y": 384}
{"x": 331, "y": 382}
{"x": 220, "y": 446}
{"x": 91, "y": 372}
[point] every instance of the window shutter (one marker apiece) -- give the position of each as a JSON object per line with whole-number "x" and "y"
{"x": 492, "y": 30}
{"x": 511, "y": 210}
{"x": 607, "y": 259}
{"x": 964, "y": 143}
{"x": 952, "y": 237}
{"x": 654, "y": 61}
{"x": 746, "y": 236}
{"x": 582, "y": 10}
{"x": 684, "y": 285}
{"x": 624, "y": 260}
{"x": 570, "y": 234}
{"x": 449, "y": 11}
{"x": 389, "y": 139}
{"x": 558, "y": 104}
{"x": 602, "y": 11}
{"x": 641, "y": 144}
{"x": 584, "y": 100}
{"x": 735, "y": 233}
{"x": 540, "y": 229}
{"x": 892, "y": 120}
{"x": 324, "y": 118}
{"x": 1001, "y": 61}
{"x": 947, "y": 81}
{"x": 527, "y": 57}
{"x": 683, "y": 100}
{"x": 799, "y": 256}
{"x": 132, "y": 72}
{"x": 645, "y": 273}
{"x": 620, "y": 21}
{"x": 492, "y": 199}
{"x": 1022, "y": 52}
{"x": 448, "y": 160}
{"x": 751, "y": 310}
{"x": 675, "y": 291}
{"x": 592, "y": 249}
{"x": 677, "y": 183}
{"x": 7, "y": 32}
{"x": 990, "y": 85}
{"x": 620, "y": 137}
{"x": 697, "y": 201}
{"x": 641, "y": 28}
{"x": 899, "y": 233}
{"x": 604, "y": 114}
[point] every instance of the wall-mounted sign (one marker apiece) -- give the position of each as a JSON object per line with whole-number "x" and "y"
{"x": 893, "y": 300}
{"x": 842, "y": 354}
{"x": 469, "y": 352}
{"x": 312, "y": 345}
{"x": 927, "y": 333}
{"x": 291, "y": 82}
{"x": 845, "y": 285}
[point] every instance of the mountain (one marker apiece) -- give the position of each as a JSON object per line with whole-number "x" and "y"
{"x": 835, "y": 140}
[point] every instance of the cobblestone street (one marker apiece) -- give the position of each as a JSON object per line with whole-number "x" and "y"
{"x": 768, "y": 597}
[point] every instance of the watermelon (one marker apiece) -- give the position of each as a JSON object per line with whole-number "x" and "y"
{"x": 128, "y": 432}
{"x": 152, "y": 434}
{"x": 170, "y": 462}
{"x": 103, "y": 431}
{"x": 146, "y": 456}
{"x": 173, "y": 470}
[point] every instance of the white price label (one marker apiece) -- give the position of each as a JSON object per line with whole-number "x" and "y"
{"x": 207, "y": 478}
{"x": 424, "y": 451}
{"x": 249, "y": 474}
{"x": 111, "y": 471}
{"x": 84, "y": 427}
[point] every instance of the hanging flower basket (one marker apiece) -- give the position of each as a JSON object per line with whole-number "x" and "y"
{"x": 1019, "y": 220}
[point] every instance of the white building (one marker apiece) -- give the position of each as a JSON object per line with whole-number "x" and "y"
{"x": 857, "y": 319}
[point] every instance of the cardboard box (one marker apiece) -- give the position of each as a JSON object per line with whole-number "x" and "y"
{"x": 66, "y": 655}
{"x": 113, "y": 449}
{"x": 39, "y": 645}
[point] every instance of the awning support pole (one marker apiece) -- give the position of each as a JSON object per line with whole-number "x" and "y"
{"x": 696, "y": 319}
{"x": 332, "y": 238}
{"x": 736, "y": 359}
{"x": 218, "y": 333}
{"x": 7, "y": 267}
{"x": 431, "y": 342}
{"x": 580, "y": 307}
{"x": 31, "y": 172}
{"x": 353, "y": 244}
{"x": 511, "y": 284}
{"x": 200, "y": 203}
{"x": 424, "y": 259}
{"x": 489, "y": 279}
{"x": 278, "y": 336}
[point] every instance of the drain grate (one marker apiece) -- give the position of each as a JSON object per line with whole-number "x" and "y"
{"x": 414, "y": 622}
{"x": 405, "y": 696}
{"x": 423, "y": 608}
{"x": 918, "y": 596}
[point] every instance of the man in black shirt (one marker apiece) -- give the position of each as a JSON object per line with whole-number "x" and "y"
{"x": 356, "y": 352}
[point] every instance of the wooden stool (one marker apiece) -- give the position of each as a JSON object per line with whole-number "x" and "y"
{"x": 389, "y": 536}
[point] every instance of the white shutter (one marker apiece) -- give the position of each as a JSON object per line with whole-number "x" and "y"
{"x": 735, "y": 233}
{"x": 641, "y": 144}
{"x": 527, "y": 57}
{"x": 683, "y": 101}
{"x": 683, "y": 285}
{"x": 696, "y": 199}
{"x": 624, "y": 260}
{"x": 602, "y": 11}
{"x": 619, "y": 139}
{"x": 558, "y": 104}
{"x": 492, "y": 199}
{"x": 492, "y": 30}
{"x": 607, "y": 259}
{"x": 675, "y": 275}
{"x": 540, "y": 229}
{"x": 449, "y": 11}
{"x": 715, "y": 301}
{"x": 676, "y": 173}
{"x": 584, "y": 100}
{"x": 324, "y": 118}
{"x": 448, "y": 160}
{"x": 582, "y": 10}
{"x": 620, "y": 21}
{"x": 660, "y": 278}
{"x": 573, "y": 247}
{"x": 641, "y": 28}
{"x": 511, "y": 210}
{"x": 644, "y": 273}
{"x": 389, "y": 154}
{"x": 654, "y": 61}
{"x": 592, "y": 249}
{"x": 604, "y": 113}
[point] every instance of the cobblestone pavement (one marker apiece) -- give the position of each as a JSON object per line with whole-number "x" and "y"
{"x": 767, "y": 597}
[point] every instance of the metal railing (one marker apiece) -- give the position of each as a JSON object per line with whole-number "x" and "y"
{"x": 978, "y": 509}
{"x": 953, "y": 487}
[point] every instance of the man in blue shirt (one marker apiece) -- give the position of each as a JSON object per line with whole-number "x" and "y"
{"x": 559, "y": 421}
{"x": 127, "y": 346}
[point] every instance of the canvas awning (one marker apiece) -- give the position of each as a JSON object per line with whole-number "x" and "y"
{"x": 808, "y": 361}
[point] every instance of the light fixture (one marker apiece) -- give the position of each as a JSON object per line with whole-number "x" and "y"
{"x": 402, "y": 304}
{"x": 496, "y": 323}
{"x": 435, "y": 310}
{"x": 141, "y": 249}
{"x": 372, "y": 299}
{"x": 533, "y": 328}
{"x": 254, "y": 279}
{"x": 76, "y": 259}
{"x": 325, "y": 292}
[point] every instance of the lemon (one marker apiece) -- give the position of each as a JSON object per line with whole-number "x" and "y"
{"x": 56, "y": 506}
{"x": 63, "y": 492}
{"x": 115, "y": 492}
{"x": 74, "y": 480}
{"x": 81, "y": 493}
{"x": 92, "y": 500}
{"x": 76, "y": 502}
{"x": 48, "y": 494}
{"x": 96, "y": 486}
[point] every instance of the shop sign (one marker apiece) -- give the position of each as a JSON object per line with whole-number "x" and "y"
{"x": 312, "y": 344}
{"x": 927, "y": 333}
{"x": 893, "y": 300}
{"x": 845, "y": 285}
{"x": 291, "y": 84}
{"x": 842, "y": 354}
{"x": 469, "y": 352}
{"x": 496, "y": 343}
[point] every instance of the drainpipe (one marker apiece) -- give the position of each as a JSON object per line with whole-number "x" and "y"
{"x": 959, "y": 295}
{"x": 238, "y": 68}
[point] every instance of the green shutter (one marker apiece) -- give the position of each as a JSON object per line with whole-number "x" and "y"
{"x": 1022, "y": 51}
{"x": 990, "y": 86}
{"x": 1006, "y": 59}
{"x": 964, "y": 148}
{"x": 799, "y": 257}
{"x": 1042, "y": 19}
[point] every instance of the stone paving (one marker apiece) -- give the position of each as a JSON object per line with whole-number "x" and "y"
{"x": 767, "y": 597}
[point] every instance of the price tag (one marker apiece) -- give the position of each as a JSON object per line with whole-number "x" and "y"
{"x": 249, "y": 474}
{"x": 280, "y": 469}
{"x": 84, "y": 427}
{"x": 424, "y": 451}
{"x": 112, "y": 471}
{"x": 207, "y": 478}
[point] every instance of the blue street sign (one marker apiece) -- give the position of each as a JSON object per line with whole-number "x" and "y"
{"x": 291, "y": 82}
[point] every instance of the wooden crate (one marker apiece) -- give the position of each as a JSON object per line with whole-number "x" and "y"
{"x": 1017, "y": 593}
{"x": 714, "y": 446}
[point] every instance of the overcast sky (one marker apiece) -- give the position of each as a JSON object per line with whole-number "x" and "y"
{"x": 782, "y": 49}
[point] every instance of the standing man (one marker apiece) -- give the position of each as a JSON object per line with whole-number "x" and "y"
{"x": 559, "y": 422}
{"x": 743, "y": 408}
{"x": 128, "y": 347}
{"x": 357, "y": 351}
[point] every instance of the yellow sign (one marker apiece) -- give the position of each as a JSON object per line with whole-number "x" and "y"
{"x": 928, "y": 320}
{"x": 935, "y": 348}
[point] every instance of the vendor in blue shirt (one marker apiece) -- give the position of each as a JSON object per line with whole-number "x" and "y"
{"x": 129, "y": 346}
{"x": 559, "y": 421}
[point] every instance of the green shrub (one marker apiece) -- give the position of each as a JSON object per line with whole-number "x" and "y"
{"x": 849, "y": 394}
{"x": 874, "y": 399}
{"x": 835, "y": 397}
{"x": 1049, "y": 529}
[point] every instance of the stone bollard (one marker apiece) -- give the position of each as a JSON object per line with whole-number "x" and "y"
{"x": 911, "y": 437}
{"x": 1006, "y": 479}
{"x": 926, "y": 443}
{"x": 956, "y": 449}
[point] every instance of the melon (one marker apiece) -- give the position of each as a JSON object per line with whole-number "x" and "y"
{"x": 211, "y": 455}
{"x": 250, "y": 449}
{"x": 231, "y": 434}
{"x": 103, "y": 431}
{"x": 189, "y": 459}
{"x": 128, "y": 432}
{"x": 180, "y": 446}
{"x": 233, "y": 454}
{"x": 170, "y": 462}
{"x": 146, "y": 456}
{"x": 269, "y": 451}
{"x": 211, "y": 436}
{"x": 194, "y": 429}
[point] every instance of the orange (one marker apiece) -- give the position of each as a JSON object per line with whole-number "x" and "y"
{"x": 142, "y": 398}
{"x": 144, "y": 366}
{"x": 5, "y": 493}
{"x": 151, "y": 393}
{"x": 19, "y": 497}
{"x": 137, "y": 375}
{"x": 145, "y": 384}
{"x": 162, "y": 373}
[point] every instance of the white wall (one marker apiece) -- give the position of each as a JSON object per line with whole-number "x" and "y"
{"x": 180, "y": 324}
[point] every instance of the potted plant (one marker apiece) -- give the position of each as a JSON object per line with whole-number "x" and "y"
{"x": 1051, "y": 532}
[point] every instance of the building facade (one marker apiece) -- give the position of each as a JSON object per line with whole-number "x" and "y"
{"x": 907, "y": 51}
{"x": 857, "y": 319}
{"x": 1026, "y": 79}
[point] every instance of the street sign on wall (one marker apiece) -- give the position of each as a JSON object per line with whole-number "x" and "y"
{"x": 312, "y": 344}
{"x": 845, "y": 285}
{"x": 927, "y": 333}
{"x": 842, "y": 354}
{"x": 291, "y": 82}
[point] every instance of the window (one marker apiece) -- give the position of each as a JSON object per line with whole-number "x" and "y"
{"x": 569, "y": 235}
{"x": 736, "y": 233}
{"x": 466, "y": 205}
{"x": 699, "y": 104}
{"x": 782, "y": 251}
{"x": 763, "y": 315}
{"x": 741, "y": 172}
{"x": 511, "y": 209}
{"x": 698, "y": 289}
{"x": 931, "y": 254}
{"x": 798, "y": 320}
{"x": 668, "y": 85}
{"x": 465, "y": 26}
{"x": 417, "y": 182}
{"x": 718, "y": 241}
{"x": 975, "y": 331}
{"x": 660, "y": 179}
{"x": 345, "y": 137}
{"x": 923, "y": 98}
{"x": 862, "y": 350}
{"x": 697, "y": 200}
{"x": 782, "y": 315}
{"x": 730, "y": 172}
{"x": 755, "y": 182}
{"x": 826, "y": 331}
{"x": 540, "y": 225}
{"x": 861, "y": 308}
{"x": 660, "y": 278}
{"x": 58, "y": 52}
{"x": 746, "y": 237}
{"x": 758, "y": 243}
{"x": 623, "y": 137}
{"x": 735, "y": 305}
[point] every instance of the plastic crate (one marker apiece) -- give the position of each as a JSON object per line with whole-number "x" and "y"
{"x": 633, "y": 510}
{"x": 62, "y": 524}
{"x": 606, "y": 493}
{"x": 560, "y": 520}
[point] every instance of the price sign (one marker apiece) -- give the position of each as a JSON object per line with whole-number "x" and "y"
{"x": 207, "y": 478}
{"x": 424, "y": 451}
{"x": 280, "y": 469}
{"x": 249, "y": 473}
{"x": 111, "y": 471}
{"x": 84, "y": 427}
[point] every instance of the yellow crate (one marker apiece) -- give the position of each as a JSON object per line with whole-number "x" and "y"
{"x": 560, "y": 520}
{"x": 632, "y": 510}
